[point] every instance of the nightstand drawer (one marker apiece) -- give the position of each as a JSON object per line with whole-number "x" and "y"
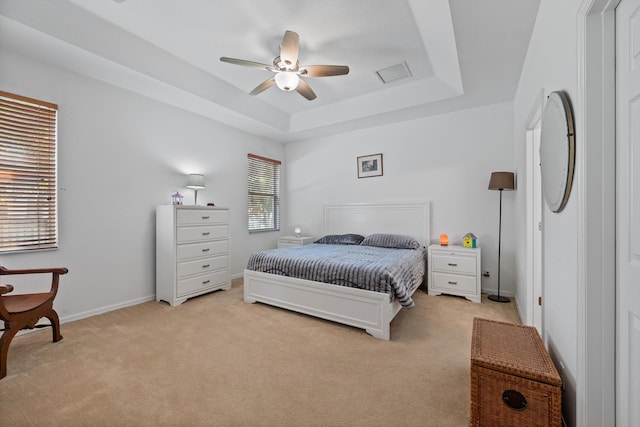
{"x": 454, "y": 263}
{"x": 444, "y": 282}
{"x": 291, "y": 241}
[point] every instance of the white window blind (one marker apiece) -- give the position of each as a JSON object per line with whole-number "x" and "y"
{"x": 264, "y": 193}
{"x": 28, "y": 204}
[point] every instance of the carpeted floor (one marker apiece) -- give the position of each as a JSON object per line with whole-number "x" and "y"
{"x": 217, "y": 361}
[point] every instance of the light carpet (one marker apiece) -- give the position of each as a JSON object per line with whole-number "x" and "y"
{"x": 218, "y": 361}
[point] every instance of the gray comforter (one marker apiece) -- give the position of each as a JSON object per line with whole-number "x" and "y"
{"x": 393, "y": 271}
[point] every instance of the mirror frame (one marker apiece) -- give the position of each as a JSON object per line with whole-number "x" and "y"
{"x": 557, "y": 150}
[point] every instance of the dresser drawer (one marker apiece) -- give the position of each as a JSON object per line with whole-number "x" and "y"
{"x": 195, "y": 234}
{"x": 201, "y": 217}
{"x": 453, "y": 282}
{"x": 454, "y": 263}
{"x": 204, "y": 265}
{"x": 199, "y": 250}
{"x": 199, "y": 283}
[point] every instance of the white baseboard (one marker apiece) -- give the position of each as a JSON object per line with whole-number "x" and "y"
{"x": 520, "y": 311}
{"x": 100, "y": 310}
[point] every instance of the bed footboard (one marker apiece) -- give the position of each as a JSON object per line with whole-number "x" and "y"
{"x": 360, "y": 308}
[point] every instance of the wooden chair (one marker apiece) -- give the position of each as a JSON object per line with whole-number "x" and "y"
{"x": 23, "y": 311}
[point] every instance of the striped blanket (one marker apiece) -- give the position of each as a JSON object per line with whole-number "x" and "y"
{"x": 394, "y": 271}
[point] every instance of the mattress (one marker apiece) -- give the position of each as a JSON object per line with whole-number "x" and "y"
{"x": 396, "y": 272}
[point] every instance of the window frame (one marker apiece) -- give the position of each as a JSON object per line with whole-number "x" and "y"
{"x": 28, "y": 174}
{"x": 255, "y": 164}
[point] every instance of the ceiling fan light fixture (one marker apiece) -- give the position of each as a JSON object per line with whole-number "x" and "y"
{"x": 287, "y": 80}
{"x": 287, "y": 69}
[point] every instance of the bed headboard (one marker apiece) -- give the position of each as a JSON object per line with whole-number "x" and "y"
{"x": 411, "y": 219}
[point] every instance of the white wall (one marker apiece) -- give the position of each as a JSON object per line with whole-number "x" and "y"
{"x": 446, "y": 159}
{"x": 120, "y": 155}
{"x": 551, "y": 65}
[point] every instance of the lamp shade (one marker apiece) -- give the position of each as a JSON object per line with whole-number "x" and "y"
{"x": 195, "y": 181}
{"x": 502, "y": 181}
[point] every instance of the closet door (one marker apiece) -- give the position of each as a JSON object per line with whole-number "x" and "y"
{"x": 628, "y": 213}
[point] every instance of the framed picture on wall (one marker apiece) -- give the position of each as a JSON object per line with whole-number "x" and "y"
{"x": 370, "y": 165}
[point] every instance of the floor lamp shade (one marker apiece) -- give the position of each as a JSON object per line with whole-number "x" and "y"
{"x": 501, "y": 181}
{"x": 195, "y": 181}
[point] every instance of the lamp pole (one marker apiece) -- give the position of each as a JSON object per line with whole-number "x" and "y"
{"x": 498, "y": 298}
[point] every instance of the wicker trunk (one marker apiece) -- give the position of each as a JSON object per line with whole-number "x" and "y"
{"x": 513, "y": 379}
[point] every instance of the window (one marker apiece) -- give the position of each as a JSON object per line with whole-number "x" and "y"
{"x": 28, "y": 203}
{"x": 264, "y": 193}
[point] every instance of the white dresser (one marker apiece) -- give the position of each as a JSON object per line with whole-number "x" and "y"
{"x": 290, "y": 241}
{"x": 192, "y": 251}
{"x": 454, "y": 270}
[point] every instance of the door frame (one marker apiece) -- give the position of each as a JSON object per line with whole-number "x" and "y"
{"x": 595, "y": 382}
{"x": 534, "y": 257}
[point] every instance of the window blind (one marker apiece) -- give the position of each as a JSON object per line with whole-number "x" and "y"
{"x": 264, "y": 193}
{"x": 28, "y": 204}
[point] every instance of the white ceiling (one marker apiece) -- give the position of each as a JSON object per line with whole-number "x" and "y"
{"x": 461, "y": 54}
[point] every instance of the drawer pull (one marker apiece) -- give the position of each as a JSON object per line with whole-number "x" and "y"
{"x": 452, "y": 264}
{"x": 206, "y": 217}
{"x": 206, "y": 233}
{"x": 451, "y": 282}
{"x": 205, "y": 266}
{"x": 206, "y": 282}
{"x": 205, "y": 250}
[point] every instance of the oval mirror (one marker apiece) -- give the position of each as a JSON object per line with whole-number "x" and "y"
{"x": 557, "y": 150}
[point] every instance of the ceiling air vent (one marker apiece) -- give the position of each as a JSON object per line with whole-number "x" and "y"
{"x": 393, "y": 73}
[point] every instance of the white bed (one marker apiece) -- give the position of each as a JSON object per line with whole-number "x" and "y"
{"x": 360, "y": 308}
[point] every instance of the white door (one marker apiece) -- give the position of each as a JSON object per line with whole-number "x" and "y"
{"x": 537, "y": 232}
{"x": 534, "y": 219}
{"x": 628, "y": 213}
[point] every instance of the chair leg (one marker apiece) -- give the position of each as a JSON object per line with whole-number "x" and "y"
{"x": 12, "y": 330}
{"x": 55, "y": 324}
{"x": 5, "y": 340}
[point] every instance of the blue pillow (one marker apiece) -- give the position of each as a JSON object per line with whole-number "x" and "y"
{"x": 397, "y": 241}
{"x": 341, "y": 239}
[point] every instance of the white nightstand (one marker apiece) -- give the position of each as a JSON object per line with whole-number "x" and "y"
{"x": 290, "y": 241}
{"x": 454, "y": 270}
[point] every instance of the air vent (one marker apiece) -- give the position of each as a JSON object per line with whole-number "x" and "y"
{"x": 393, "y": 73}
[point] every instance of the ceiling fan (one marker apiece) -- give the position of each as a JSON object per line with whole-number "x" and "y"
{"x": 288, "y": 71}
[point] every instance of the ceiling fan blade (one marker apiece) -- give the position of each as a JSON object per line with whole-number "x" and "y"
{"x": 246, "y": 63}
{"x": 289, "y": 48}
{"x": 263, "y": 86}
{"x": 324, "y": 70}
{"x": 305, "y": 90}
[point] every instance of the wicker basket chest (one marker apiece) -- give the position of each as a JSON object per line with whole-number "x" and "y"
{"x": 513, "y": 380}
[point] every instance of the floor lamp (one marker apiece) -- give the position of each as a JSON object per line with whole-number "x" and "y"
{"x": 500, "y": 181}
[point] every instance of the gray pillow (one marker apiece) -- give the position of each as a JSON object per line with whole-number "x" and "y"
{"x": 341, "y": 239}
{"x": 397, "y": 241}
